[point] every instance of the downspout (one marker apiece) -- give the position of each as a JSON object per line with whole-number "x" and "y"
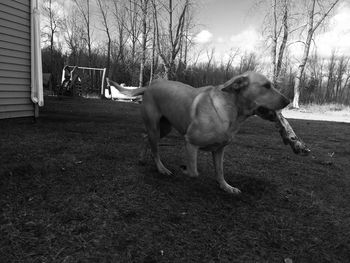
{"x": 37, "y": 95}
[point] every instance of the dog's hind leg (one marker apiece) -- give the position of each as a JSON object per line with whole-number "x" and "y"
{"x": 219, "y": 170}
{"x": 165, "y": 128}
{"x": 152, "y": 120}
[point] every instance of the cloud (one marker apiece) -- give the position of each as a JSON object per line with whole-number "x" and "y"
{"x": 220, "y": 40}
{"x": 246, "y": 40}
{"x": 337, "y": 37}
{"x": 203, "y": 37}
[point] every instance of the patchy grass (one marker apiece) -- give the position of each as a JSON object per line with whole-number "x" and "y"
{"x": 71, "y": 191}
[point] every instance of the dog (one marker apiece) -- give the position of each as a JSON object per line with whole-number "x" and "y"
{"x": 208, "y": 117}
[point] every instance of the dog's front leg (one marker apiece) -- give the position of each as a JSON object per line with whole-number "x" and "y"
{"x": 218, "y": 157}
{"x": 192, "y": 153}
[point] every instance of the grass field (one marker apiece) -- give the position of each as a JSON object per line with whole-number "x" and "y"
{"x": 71, "y": 191}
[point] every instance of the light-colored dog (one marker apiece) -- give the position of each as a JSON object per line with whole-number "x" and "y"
{"x": 207, "y": 117}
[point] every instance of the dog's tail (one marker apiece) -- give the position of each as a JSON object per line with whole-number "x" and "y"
{"x": 128, "y": 92}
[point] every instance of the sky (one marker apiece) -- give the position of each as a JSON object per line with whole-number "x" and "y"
{"x": 226, "y": 24}
{"x": 226, "y": 17}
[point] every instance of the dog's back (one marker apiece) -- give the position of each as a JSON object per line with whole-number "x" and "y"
{"x": 172, "y": 100}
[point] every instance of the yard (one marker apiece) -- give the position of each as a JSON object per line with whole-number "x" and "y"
{"x": 71, "y": 190}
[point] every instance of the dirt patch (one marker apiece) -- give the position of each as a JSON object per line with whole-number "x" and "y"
{"x": 71, "y": 191}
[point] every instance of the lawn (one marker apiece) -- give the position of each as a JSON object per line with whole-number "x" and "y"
{"x": 71, "y": 190}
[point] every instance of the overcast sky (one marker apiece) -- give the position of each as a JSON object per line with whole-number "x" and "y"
{"x": 232, "y": 24}
{"x": 229, "y": 24}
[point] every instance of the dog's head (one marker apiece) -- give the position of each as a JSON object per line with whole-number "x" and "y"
{"x": 257, "y": 89}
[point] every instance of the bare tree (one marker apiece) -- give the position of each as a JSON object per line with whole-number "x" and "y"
{"x": 84, "y": 9}
{"x": 186, "y": 42}
{"x": 154, "y": 59}
{"x": 120, "y": 20}
{"x": 232, "y": 55}
{"x": 54, "y": 22}
{"x": 169, "y": 44}
{"x": 285, "y": 19}
{"x": 210, "y": 56}
{"x": 133, "y": 28}
{"x": 248, "y": 62}
{"x": 195, "y": 55}
{"x": 342, "y": 65}
{"x": 104, "y": 9}
{"x": 316, "y": 68}
{"x": 277, "y": 28}
{"x": 144, "y": 10}
{"x": 316, "y": 17}
{"x": 346, "y": 87}
{"x": 73, "y": 35}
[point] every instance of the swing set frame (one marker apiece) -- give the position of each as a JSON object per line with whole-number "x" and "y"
{"x": 74, "y": 68}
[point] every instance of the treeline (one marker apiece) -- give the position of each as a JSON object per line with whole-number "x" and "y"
{"x": 138, "y": 41}
{"x": 324, "y": 80}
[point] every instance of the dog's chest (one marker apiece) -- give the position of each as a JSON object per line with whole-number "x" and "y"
{"x": 214, "y": 146}
{"x": 212, "y": 138}
{"x": 213, "y": 121}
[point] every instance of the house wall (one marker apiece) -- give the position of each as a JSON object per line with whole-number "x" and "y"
{"x": 15, "y": 59}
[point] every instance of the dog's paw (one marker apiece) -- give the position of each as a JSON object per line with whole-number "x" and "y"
{"x": 165, "y": 171}
{"x": 235, "y": 191}
{"x": 231, "y": 190}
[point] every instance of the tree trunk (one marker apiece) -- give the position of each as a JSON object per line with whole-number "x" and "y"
{"x": 144, "y": 4}
{"x": 153, "y": 52}
{"x": 284, "y": 41}
{"x": 311, "y": 30}
{"x": 300, "y": 73}
{"x": 167, "y": 72}
{"x": 88, "y": 32}
{"x": 173, "y": 43}
{"x": 104, "y": 12}
{"x": 301, "y": 67}
{"x": 51, "y": 51}
{"x": 297, "y": 89}
{"x": 108, "y": 57}
{"x": 274, "y": 42}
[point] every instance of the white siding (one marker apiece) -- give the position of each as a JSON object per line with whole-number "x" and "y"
{"x": 15, "y": 59}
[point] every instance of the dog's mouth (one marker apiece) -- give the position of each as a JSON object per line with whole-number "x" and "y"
{"x": 265, "y": 113}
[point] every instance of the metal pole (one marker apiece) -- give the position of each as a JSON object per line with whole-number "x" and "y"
{"x": 91, "y": 68}
{"x": 62, "y": 78}
{"x": 103, "y": 81}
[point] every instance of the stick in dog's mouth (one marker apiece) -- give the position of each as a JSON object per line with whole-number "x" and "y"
{"x": 289, "y": 137}
{"x": 286, "y": 131}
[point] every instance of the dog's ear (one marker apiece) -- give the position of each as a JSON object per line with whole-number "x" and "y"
{"x": 235, "y": 84}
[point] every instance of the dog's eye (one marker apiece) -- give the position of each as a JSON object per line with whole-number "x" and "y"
{"x": 267, "y": 85}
